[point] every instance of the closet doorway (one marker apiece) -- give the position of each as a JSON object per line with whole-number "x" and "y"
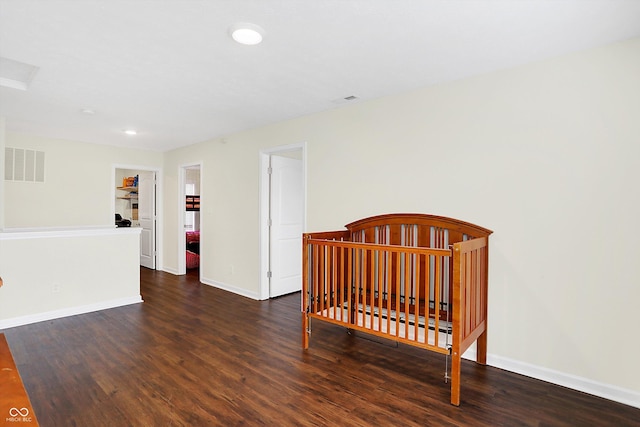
{"x": 190, "y": 224}
{"x": 136, "y": 201}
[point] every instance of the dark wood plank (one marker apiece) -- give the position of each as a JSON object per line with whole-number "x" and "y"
{"x": 193, "y": 355}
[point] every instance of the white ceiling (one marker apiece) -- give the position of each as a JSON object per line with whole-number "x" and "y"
{"x": 169, "y": 69}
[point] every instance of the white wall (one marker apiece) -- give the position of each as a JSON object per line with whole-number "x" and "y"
{"x": 2, "y": 146}
{"x": 67, "y": 257}
{"x": 547, "y": 155}
{"x": 192, "y": 176}
{"x": 78, "y": 188}
{"x": 55, "y": 273}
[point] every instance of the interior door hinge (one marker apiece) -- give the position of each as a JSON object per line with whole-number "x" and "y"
{"x": 268, "y": 275}
{"x": 269, "y": 170}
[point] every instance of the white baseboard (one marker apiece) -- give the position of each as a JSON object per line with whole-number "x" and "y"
{"x": 225, "y": 287}
{"x": 66, "y": 312}
{"x": 606, "y": 391}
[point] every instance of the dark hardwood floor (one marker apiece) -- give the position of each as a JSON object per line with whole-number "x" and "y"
{"x": 193, "y": 355}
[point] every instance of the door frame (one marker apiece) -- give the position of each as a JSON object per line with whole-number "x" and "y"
{"x": 158, "y": 206}
{"x": 182, "y": 192}
{"x": 264, "y": 204}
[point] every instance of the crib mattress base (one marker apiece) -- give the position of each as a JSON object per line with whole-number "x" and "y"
{"x": 392, "y": 325}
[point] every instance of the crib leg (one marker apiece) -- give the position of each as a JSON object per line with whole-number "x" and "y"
{"x": 305, "y": 331}
{"x": 455, "y": 379}
{"x": 481, "y": 349}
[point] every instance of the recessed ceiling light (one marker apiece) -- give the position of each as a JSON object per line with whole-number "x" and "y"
{"x": 245, "y": 33}
{"x": 88, "y": 111}
{"x": 131, "y": 132}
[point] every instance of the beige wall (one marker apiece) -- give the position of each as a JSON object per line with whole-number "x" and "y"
{"x": 2, "y": 146}
{"x": 78, "y": 188}
{"x": 192, "y": 176}
{"x": 50, "y": 274}
{"x": 68, "y": 257}
{"x": 546, "y": 155}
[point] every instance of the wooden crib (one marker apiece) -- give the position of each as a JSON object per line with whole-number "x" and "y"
{"x": 413, "y": 278}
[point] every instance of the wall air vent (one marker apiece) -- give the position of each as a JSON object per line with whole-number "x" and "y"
{"x": 23, "y": 165}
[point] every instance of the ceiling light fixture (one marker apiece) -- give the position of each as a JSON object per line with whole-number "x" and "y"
{"x": 245, "y": 33}
{"x": 131, "y": 132}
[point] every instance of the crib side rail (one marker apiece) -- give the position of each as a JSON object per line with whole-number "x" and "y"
{"x": 385, "y": 290}
{"x": 327, "y": 235}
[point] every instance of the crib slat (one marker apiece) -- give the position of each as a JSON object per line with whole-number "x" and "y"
{"x": 469, "y": 294}
{"x": 407, "y": 293}
{"x": 388, "y": 276}
{"x": 371, "y": 286}
{"x": 349, "y": 285}
{"x": 416, "y": 303}
{"x": 396, "y": 290}
{"x": 356, "y": 283}
{"x": 394, "y": 234}
{"x": 315, "y": 271}
{"x": 332, "y": 282}
{"x": 380, "y": 274}
{"x": 341, "y": 285}
{"x": 437, "y": 286}
{"x": 478, "y": 289}
{"x": 322, "y": 283}
{"x": 364, "y": 284}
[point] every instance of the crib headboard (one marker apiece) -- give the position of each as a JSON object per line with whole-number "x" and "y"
{"x": 412, "y": 229}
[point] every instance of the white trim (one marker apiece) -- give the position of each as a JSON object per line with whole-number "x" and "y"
{"x": 52, "y": 232}
{"x": 182, "y": 245}
{"x": 66, "y": 312}
{"x": 171, "y": 271}
{"x": 264, "y": 207}
{"x": 264, "y": 225}
{"x": 574, "y": 382}
{"x": 229, "y": 288}
{"x": 607, "y": 391}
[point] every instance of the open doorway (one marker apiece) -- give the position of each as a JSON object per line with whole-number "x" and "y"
{"x": 135, "y": 204}
{"x": 190, "y": 223}
{"x": 282, "y": 219}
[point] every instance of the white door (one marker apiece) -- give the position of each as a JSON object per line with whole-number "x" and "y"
{"x": 286, "y": 213}
{"x": 147, "y": 218}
